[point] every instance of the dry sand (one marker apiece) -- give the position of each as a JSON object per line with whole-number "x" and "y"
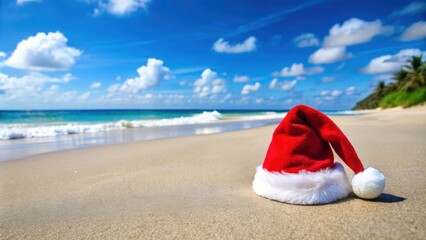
{"x": 200, "y": 188}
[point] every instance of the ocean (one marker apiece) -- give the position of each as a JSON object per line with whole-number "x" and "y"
{"x": 26, "y": 133}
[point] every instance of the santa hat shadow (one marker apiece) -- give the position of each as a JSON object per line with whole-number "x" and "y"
{"x": 299, "y": 166}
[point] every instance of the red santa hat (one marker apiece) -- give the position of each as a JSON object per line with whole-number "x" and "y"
{"x": 299, "y": 166}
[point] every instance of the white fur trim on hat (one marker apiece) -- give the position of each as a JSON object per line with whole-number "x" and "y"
{"x": 368, "y": 184}
{"x": 305, "y": 187}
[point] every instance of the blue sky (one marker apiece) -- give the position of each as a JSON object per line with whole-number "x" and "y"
{"x": 209, "y": 54}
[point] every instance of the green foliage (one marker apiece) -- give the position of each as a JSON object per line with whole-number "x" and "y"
{"x": 404, "y": 99}
{"x": 416, "y": 74}
{"x": 409, "y": 88}
{"x": 373, "y": 100}
{"x": 369, "y": 102}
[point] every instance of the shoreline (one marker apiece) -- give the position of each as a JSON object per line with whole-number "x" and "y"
{"x": 27, "y": 147}
{"x": 53, "y": 123}
{"x": 200, "y": 187}
{"x": 13, "y": 149}
{"x": 421, "y": 107}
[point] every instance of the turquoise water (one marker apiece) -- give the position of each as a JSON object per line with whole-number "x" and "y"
{"x": 43, "y": 117}
{"x": 87, "y": 116}
{"x": 48, "y": 123}
{"x": 26, "y": 133}
{"x": 33, "y": 124}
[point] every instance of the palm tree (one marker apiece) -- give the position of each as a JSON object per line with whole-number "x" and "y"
{"x": 416, "y": 76}
{"x": 400, "y": 77}
{"x": 380, "y": 88}
{"x": 414, "y": 63}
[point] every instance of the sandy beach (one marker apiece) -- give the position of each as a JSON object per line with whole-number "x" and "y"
{"x": 199, "y": 187}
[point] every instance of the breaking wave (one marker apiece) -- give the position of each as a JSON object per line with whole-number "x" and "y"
{"x": 18, "y": 131}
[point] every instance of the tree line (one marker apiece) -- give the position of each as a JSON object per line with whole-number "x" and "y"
{"x": 407, "y": 89}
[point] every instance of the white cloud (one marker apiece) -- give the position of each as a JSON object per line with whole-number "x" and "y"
{"x": 382, "y": 64}
{"x": 206, "y": 76}
{"x": 324, "y": 93}
{"x": 312, "y": 71}
{"x": 297, "y": 69}
{"x": 248, "y": 45}
{"x": 174, "y": 98}
{"x": 354, "y": 31}
{"x": 149, "y": 75}
{"x": 52, "y": 91}
{"x": 306, "y": 40}
{"x": 259, "y": 101}
{"x": 44, "y": 52}
{"x": 387, "y": 78}
{"x": 67, "y": 96}
{"x": 350, "y": 90}
{"x": 83, "y": 97}
{"x": 3, "y": 54}
{"x": 250, "y": 88}
{"x": 333, "y": 94}
{"x": 120, "y": 7}
{"x": 416, "y": 31}
{"x": 21, "y": 2}
{"x": 243, "y": 100}
{"x": 391, "y": 63}
{"x": 96, "y": 85}
{"x": 240, "y": 79}
{"x": 336, "y": 93}
{"x": 273, "y": 83}
{"x": 287, "y": 85}
{"x": 113, "y": 88}
{"x": 329, "y": 55}
{"x": 54, "y": 88}
{"x": 412, "y": 8}
{"x": 294, "y": 70}
{"x": 328, "y": 79}
{"x": 150, "y": 95}
{"x": 218, "y": 86}
{"x": 209, "y": 84}
{"x": 96, "y": 12}
{"x": 29, "y": 85}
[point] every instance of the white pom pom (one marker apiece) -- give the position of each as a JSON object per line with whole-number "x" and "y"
{"x": 368, "y": 184}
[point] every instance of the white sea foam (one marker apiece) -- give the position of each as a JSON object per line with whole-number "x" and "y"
{"x": 265, "y": 116}
{"x": 348, "y": 112}
{"x": 205, "y": 117}
{"x": 17, "y": 131}
{"x": 25, "y": 131}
